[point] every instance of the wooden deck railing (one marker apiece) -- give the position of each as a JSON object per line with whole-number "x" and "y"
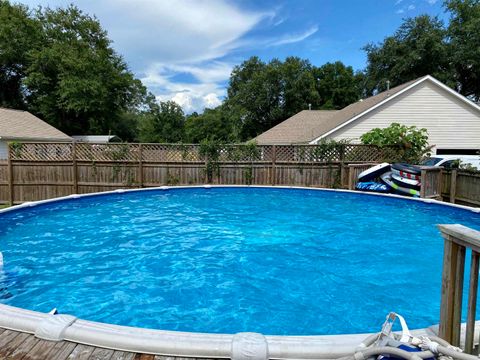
{"x": 431, "y": 187}
{"x": 458, "y": 238}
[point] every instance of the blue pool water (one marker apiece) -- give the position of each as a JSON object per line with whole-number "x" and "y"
{"x": 224, "y": 260}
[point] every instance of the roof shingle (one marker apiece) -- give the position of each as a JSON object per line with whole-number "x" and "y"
{"x": 17, "y": 124}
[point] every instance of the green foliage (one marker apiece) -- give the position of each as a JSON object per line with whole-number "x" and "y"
{"x": 411, "y": 143}
{"x": 465, "y": 167}
{"x": 263, "y": 94}
{"x": 337, "y": 85}
{"x": 213, "y": 124}
{"x": 419, "y": 47}
{"x": 75, "y": 79}
{"x": 464, "y": 36}
{"x": 16, "y": 147}
{"x": 210, "y": 151}
{"x": 59, "y": 64}
{"x": 19, "y": 34}
{"x": 163, "y": 122}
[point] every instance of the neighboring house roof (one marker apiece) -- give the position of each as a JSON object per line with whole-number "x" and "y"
{"x": 320, "y": 125}
{"x": 96, "y": 138}
{"x": 300, "y": 128}
{"x": 21, "y": 125}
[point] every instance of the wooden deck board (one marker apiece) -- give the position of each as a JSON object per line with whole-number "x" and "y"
{"x": 40, "y": 351}
{"x": 7, "y": 349}
{"x": 6, "y": 337}
{"x": 24, "y": 348}
{"x": 101, "y": 354}
{"x": 122, "y": 355}
{"x": 81, "y": 352}
{"x": 64, "y": 352}
{"x": 15, "y": 345}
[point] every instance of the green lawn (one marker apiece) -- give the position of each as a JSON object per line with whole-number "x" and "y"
{"x": 2, "y": 206}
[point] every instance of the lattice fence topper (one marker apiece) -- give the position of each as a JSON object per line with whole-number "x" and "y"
{"x": 107, "y": 152}
{"x": 41, "y": 151}
{"x": 192, "y": 153}
{"x": 240, "y": 153}
{"x": 170, "y": 153}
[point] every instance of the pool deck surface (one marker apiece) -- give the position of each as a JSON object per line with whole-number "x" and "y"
{"x": 22, "y": 346}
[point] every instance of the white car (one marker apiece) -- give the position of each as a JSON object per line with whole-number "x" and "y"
{"x": 449, "y": 161}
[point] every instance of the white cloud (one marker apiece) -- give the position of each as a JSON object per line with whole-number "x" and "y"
{"x": 208, "y": 92}
{"x": 405, "y": 8}
{"x": 293, "y": 38}
{"x": 179, "y": 31}
{"x": 432, "y": 2}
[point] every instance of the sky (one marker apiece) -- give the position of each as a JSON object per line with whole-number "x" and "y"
{"x": 184, "y": 50}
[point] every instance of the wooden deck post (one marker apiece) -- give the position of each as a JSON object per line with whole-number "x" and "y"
{"x": 472, "y": 302}
{"x": 74, "y": 167}
{"x": 10, "y": 175}
{"x": 452, "y": 290}
{"x": 457, "y": 239}
{"x": 453, "y": 186}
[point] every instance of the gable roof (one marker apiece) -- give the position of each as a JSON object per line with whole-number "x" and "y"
{"x": 325, "y": 125}
{"x": 21, "y": 125}
{"x": 300, "y": 128}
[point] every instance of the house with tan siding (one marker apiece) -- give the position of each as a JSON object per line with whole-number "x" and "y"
{"x": 452, "y": 121}
{"x": 17, "y": 125}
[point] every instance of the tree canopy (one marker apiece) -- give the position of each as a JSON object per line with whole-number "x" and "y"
{"x": 60, "y": 65}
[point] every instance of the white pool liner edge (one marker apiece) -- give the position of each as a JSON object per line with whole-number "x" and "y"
{"x": 186, "y": 344}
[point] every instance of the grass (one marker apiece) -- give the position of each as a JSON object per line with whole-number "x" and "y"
{"x": 3, "y": 206}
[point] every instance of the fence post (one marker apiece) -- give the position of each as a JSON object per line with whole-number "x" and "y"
{"x": 453, "y": 186}
{"x": 140, "y": 164}
{"x": 423, "y": 186}
{"x": 74, "y": 166}
{"x": 440, "y": 184}
{"x": 351, "y": 177}
{"x": 10, "y": 175}
{"x": 273, "y": 174}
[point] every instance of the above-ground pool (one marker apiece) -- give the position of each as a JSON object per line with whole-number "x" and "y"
{"x": 227, "y": 260}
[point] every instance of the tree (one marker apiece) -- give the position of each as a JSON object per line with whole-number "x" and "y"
{"x": 75, "y": 80}
{"x": 164, "y": 122}
{"x": 464, "y": 36}
{"x": 262, "y": 95}
{"x": 416, "y": 49}
{"x": 298, "y": 89}
{"x": 254, "y": 92}
{"x": 337, "y": 85}
{"x": 213, "y": 125}
{"x": 19, "y": 34}
{"x": 411, "y": 143}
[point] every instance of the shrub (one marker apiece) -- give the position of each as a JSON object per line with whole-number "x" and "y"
{"x": 411, "y": 143}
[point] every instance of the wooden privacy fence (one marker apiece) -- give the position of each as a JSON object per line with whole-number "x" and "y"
{"x": 461, "y": 187}
{"x": 36, "y": 171}
{"x": 458, "y": 239}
